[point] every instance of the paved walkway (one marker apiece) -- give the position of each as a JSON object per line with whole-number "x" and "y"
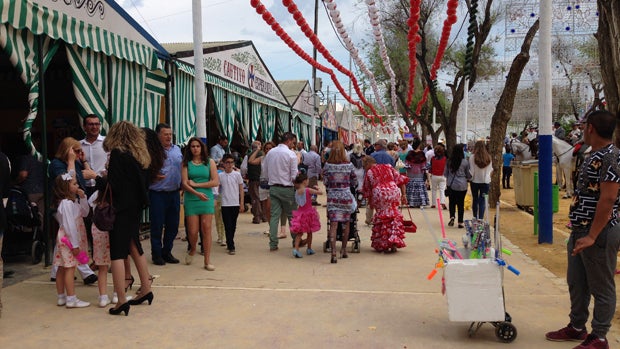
{"x": 264, "y": 299}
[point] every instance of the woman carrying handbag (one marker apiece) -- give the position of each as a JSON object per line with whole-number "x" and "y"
{"x": 457, "y": 174}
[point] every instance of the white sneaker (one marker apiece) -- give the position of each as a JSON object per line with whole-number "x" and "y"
{"x": 115, "y": 298}
{"x": 61, "y": 301}
{"x": 104, "y": 301}
{"x": 77, "y": 304}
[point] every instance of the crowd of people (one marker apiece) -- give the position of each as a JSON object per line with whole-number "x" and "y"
{"x": 133, "y": 168}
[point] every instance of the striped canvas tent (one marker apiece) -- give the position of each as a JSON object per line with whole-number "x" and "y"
{"x": 244, "y": 95}
{"x": 117, "y": 69}
{"x": 299, "y": 94}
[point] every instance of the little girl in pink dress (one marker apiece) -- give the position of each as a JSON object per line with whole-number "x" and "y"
{"x": 305, "y": 217}
{"x": 71, "y": 208}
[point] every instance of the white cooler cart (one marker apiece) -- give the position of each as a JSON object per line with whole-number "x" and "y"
{"x": 475, "y": 293}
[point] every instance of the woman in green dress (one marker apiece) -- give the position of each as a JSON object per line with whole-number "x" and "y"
{"x": 199, "y": 175}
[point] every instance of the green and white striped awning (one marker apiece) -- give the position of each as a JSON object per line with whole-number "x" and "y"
{"x": 304, "y": 118}
{"x": 38, "y": 19}
{"x": 232, "y": 87}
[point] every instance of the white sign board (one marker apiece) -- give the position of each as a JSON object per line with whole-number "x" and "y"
{"x": 243, "y": 67}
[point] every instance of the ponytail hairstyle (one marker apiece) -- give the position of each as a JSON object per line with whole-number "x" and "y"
{"x": 301, "y": 177}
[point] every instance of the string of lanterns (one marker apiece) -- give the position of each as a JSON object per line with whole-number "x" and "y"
{"x": 413, "y": 39}
{"x": 373, "y": 14}
{"x": 441, "y": 49}
{"x": 316, "y": 42}
{"x": 342, "y": 32}
{"x": 275, "y": 26}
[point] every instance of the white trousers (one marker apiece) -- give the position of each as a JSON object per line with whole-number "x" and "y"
{"x": 438, "y": 183}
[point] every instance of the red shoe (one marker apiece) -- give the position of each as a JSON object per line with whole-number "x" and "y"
{"x": 432, "y": 206}
{"x": 568, "y": 333}
{"x": 593, "y": 342}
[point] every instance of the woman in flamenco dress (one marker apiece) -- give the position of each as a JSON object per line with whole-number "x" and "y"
{"x": 384, "y": 188}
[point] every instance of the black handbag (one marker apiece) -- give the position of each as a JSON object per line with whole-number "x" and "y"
{"x": 448, "y": 190}
{"x": 264, "y": 184}
{"x": 104, "y": 213}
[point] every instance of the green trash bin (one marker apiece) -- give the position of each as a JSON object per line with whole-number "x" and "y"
{"x": 555, "y": 196}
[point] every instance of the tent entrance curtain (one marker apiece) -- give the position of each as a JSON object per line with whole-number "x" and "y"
{"x": 22, "y": 47}
{"x": 224, "y": 106}
{"x": 268, "y": 122}
{"x": 301, "y": 128}
{"x": 184, "y": 105}
{"x": 127, "y": 88}
{"x": 155, "y": 90}
{"x": 136, "y": 98}
{"x": 257, "y": 111}
{"x": 90, "y": 82}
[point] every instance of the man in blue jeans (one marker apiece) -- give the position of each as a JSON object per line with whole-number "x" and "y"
{"x": 592, "y": 247}
{"x": 165, "y": 200}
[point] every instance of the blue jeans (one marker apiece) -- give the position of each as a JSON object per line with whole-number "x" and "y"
{"x": 478, "y": 190}
{"x": 164, "y": 211}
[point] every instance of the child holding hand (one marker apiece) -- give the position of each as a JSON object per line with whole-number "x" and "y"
{"x": 72, "y": 207}
{"x": 305, "y": 217}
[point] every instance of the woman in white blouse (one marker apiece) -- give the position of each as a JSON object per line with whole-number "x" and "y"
{"x": 480, "y": 168}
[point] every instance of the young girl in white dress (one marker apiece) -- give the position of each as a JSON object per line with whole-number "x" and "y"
{"x": 71, "y": 207}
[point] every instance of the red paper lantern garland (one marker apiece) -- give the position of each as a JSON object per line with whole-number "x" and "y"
{"x": 413, "y": 39}
{"x": 261, "y": 10}
{"x": 441, "y": 49}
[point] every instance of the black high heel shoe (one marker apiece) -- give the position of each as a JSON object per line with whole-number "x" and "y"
{"x": 131, "y": 281}
{"x": 124, "y": 308}
{"x": 139, "y": 291}
{"x": 147, "y": 297}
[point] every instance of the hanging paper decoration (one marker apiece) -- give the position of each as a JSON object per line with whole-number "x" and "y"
{"x": 275, "y": 26}
{"x": 441, "y": 49}
{"x": 373, "y": 14}
{"x": 305, "y": 27}
{"x": 413, "y": 39}
{"x": 335, "y": 16}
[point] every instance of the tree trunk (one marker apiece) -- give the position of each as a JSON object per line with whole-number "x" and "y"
{"x": 608, "y": 37}
{"x": 503, "y": 111}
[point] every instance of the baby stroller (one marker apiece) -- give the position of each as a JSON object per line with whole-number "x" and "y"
{"x": 353, "y": 234}
{"x": 23, "y": 234}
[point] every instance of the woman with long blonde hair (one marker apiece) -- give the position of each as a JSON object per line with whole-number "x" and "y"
{"x": 480, "y": 167}
{"x": 339, "y": 177}
{"x": 128, "y": 177}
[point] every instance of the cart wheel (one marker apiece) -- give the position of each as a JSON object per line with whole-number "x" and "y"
{"x": 356, "y": 247}
{"x": 506, "y": 332}
{"x": 37, "y": 252}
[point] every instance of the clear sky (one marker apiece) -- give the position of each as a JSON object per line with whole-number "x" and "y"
{"x": 226, "y": 20}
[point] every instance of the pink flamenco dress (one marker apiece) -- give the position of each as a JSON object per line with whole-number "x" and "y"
{"x": 305, "y": 217}
{"x": 382, "y": 188}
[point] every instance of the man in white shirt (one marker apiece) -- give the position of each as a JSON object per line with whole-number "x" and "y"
{"x": 92, "y": 146}
{"x": 281, "y": 169}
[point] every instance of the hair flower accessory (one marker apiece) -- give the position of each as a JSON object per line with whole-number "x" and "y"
{"x": 66, "y": 177}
